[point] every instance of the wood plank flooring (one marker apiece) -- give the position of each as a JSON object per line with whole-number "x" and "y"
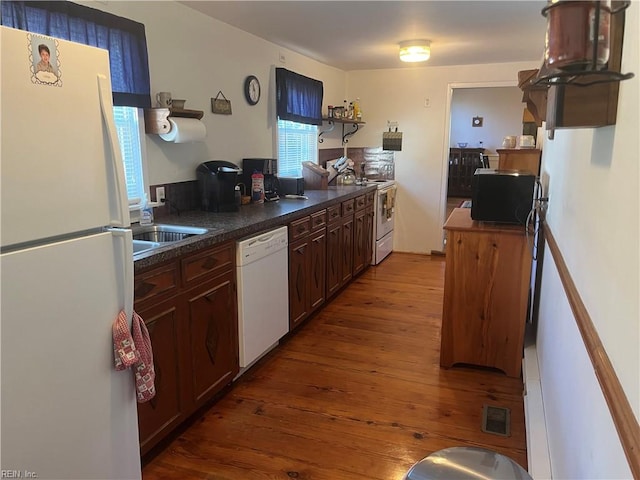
{"x": 357, "y": 393}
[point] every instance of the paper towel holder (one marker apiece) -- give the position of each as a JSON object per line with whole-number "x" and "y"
{"x": 156, "y": 120}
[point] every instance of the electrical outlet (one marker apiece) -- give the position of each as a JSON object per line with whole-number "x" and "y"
{"x": 160, "y": 194}
{"x": 427, "y": 102}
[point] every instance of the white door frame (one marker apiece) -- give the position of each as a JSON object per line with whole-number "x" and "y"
{"x": 447, "y": 134}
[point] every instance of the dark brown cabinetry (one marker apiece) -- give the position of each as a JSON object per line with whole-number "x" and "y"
{"x": 362, "y": 233}
{"x": 167, "y": 409}
{"x": 189, "y": 307}
{"x": 334, "y": 241}
{"x": 340, "y": 246}
{"x": 307, "y": 253}
{"x": 213, "y": 339}
{"x": 462, "y": 165}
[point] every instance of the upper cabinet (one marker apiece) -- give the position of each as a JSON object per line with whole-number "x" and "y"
{"x": 584, "y": 94}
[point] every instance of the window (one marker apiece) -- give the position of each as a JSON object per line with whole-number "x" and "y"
{"x": 299, "y": 110}
{"x": 128, "y": 128}
{"x": 297, "y": 142}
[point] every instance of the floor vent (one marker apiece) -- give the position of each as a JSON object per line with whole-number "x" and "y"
{"x": 496, "y": 420}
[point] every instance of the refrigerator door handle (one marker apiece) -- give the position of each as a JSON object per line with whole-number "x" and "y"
{"x": 127, "y": 262}
{"x": 121, "y": 213}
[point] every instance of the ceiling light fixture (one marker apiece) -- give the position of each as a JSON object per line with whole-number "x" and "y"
{"x": 415, "y": 50}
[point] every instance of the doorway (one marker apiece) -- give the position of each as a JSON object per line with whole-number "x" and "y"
{"x": 478, "y": 117}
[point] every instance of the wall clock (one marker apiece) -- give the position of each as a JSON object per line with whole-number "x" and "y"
{"x": 252, "y": 89}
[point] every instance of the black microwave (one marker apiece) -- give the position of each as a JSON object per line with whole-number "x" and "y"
{"x": 502, "y": 196}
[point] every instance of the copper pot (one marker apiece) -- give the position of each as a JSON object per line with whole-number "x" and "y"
{"x": 570, "y": 35}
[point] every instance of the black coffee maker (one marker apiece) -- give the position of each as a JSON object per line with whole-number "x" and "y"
{"x": 269, "y": 168}
{"x": 217, "y": 180}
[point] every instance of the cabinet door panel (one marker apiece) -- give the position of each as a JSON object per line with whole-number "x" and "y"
{"x": 213, "y": 337}
{"x": 347, "y": 251}
{"x": 299, "y": 254}
{"x": 359, "y": 247}
{"x": 334, "y": 259}
{"x": 162, "y": 413}
{"x": 368, "y": 236}
{"x": 317, "y": 277}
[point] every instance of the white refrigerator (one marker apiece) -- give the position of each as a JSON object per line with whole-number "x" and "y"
{"x": 66, "y": 266}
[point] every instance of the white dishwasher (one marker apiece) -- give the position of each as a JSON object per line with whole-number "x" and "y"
{"x": 263, "y": 293}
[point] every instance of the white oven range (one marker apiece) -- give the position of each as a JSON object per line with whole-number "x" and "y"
{"x": 384, "y": 216}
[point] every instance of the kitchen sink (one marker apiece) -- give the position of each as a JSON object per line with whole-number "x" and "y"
{"x": 140, "y": 246}
{"x": 162, "y": 233}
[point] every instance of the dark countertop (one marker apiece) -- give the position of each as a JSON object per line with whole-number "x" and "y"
{"x": 250, "y": 219}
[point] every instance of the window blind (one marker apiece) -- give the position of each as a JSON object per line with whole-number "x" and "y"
{"x": 126, "y": 120}
{"x": 297, "y": 142}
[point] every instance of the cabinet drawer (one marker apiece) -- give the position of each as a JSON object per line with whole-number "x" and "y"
{"x": 369, "y": 198}
{"x": 208, "y": 263}
{"x": 299, "y": 228}
{"x": 348, "y": 207}
{"x": 156, "y": 283}
{"x": 318, "y": 220}
{"x": 333, "y": 213}
{"x": 360, "y": 203}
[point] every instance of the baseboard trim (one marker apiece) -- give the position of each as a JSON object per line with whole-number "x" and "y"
{"x": 538, "y": 458}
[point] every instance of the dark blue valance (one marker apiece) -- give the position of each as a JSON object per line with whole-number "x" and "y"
{"x": 123, "y": 38}
{"x": 298, "y": 98}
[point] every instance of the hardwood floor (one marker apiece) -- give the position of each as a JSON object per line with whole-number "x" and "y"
{"x": 356, "y": 393}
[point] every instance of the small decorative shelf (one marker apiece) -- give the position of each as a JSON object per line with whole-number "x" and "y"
{"x": 343, "y": 121}
{"x": 156, "y": 120}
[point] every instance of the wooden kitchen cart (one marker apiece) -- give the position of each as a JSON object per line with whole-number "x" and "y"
{"x": 487, "y": 272}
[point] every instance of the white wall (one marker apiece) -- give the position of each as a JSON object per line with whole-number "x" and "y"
{"x": 593, "y": 183}
{"x": 399, "y": 95}
{"x": 501, "y": 109}
{"x": 194, "y": 56}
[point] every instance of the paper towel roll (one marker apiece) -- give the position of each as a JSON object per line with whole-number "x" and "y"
{"x": 185, "y": 130}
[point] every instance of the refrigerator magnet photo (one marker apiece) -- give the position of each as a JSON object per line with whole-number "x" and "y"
{"x": 44, "y": 59}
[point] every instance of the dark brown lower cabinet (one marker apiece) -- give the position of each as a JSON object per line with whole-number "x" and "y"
{"x": 347, "y": 249}
{"x": 166, "y": 410}
{"x": 299, "y": 265}
{"x": 334, "y": 264}
{"x": 213, "y": 337}
{"x": 193, "y": 326}
{"x": 307, "y": 264}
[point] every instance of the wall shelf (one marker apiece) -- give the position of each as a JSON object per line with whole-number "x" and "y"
{"x": 343, "y": 121}
{"x": 578, "y": 99}
{"x": 156, "y": 120}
